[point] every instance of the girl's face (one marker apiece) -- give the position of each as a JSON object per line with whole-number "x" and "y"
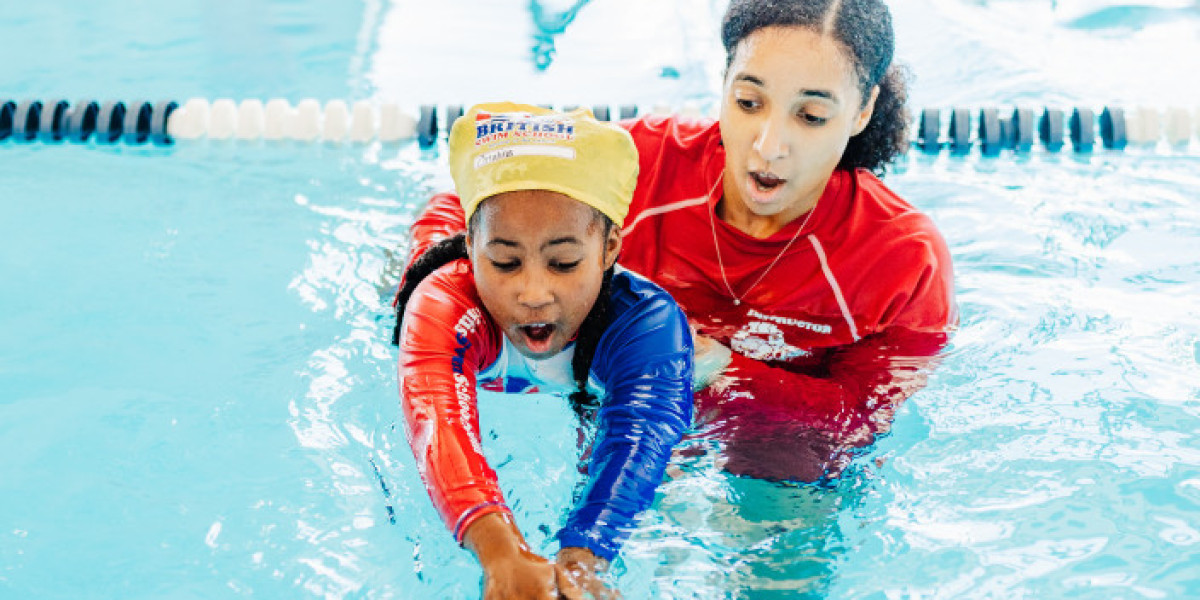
{"x": 791, "y": 104}
{"x": 539, "y": 259}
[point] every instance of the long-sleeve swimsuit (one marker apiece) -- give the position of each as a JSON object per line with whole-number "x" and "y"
{"x": 450, "y": 347}
{"x": 845, "y": 325}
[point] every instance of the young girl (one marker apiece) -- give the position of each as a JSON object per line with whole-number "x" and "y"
{"x": 524, "y": 296}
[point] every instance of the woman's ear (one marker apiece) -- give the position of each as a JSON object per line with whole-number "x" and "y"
{"x": 864, "y": 116}
{"x": 612, "y": 247}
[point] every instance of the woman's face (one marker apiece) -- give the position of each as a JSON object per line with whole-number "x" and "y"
{"x": 539, "y": 259}
{"x": 791, "y": 104}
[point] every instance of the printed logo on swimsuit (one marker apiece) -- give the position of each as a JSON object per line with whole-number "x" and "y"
{"x": 764, "y": 341}
{"x": 463, "y": 390}
{"x": 511, "y": 384}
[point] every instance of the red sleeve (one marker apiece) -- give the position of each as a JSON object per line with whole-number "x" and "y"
{"x": 442, "y": 217}
{"x": 446, "y": 338}
{"x": 783, "y": 424}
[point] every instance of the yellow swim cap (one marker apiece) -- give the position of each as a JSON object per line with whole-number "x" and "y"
{"x": 504, "y": 147}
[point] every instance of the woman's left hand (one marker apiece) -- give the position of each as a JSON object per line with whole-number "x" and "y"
{"x": 709, "y": 361}
{"x": 579, "y": 575}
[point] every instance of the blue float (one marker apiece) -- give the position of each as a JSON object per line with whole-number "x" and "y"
{"x": 80, "y": 121}
{"x": 960, "y": 131}
{"x": 1112, "y": 128}
{"x": 427, "y": 126}
{"x": 7, "y": 108}
{"x": 158, "y": 123}
{"x": 991, "y": 134}
{"x": 26, "y": 120}
{"x": 109, "y": 122}
{"x": 50, "y": 129}
{"x": 136, "y": 128}
{"x": 1050, "y": 129}
{"x": 453, "y": 112}
{"x": 930, "y": 130}
{"x": 1083, "y": 129}
{"x": 1023, "y": 133}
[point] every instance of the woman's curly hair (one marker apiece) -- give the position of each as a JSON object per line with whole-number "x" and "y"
{"x": 864, "y": 29}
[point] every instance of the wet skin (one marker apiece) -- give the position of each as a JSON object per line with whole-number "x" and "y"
{"x": 790, "y": 105}
{"x": 539, "y": 259}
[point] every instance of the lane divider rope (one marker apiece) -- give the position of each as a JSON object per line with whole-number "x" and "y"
{"x": 958, "y": 130}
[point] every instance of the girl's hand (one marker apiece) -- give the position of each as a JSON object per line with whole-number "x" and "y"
{"x": 580, "y": 575}
{"x": 710, "y": 359}
{"x": 510, "y": 570}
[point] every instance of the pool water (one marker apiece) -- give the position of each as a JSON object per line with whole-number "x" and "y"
{"x": 198, "y": 396}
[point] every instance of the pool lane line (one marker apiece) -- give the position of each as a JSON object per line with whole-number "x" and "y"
{"x": 957, "y": 130}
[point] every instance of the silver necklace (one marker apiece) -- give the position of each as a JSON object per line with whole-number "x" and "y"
{"x": 737, "y": 300}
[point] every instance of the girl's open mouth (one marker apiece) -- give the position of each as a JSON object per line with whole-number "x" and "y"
{"x": 537, "y": 336}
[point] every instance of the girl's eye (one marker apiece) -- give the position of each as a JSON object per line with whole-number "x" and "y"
{"x": 506, "y": 267}
{"x": 564, "y": 267}
{"x": 745, "y": 104}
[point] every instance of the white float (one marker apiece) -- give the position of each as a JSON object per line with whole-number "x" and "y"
{"x": 190, "y": 121}
{"x": 362, "y": 122}
{"x": 250, "y": 120}
{"x": 305, "y": 124}
{"x": 1149, "y": 125}
{"x": 275, "y": 119}
{"x": 1178, "y": 125}
{"x": 336, "y": 122}
{"x": 222, "y": 120}
{"x": 395, "y": 124}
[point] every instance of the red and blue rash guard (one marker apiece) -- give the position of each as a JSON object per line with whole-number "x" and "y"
{"x": 840, "y": 330}
{"x": 450, "y": 347}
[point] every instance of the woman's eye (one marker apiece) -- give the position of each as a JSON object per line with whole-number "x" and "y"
{"x": 564, "y": 267}
{"x": 746, "y": 104}
{"x": 505, "y": 267}
{"x": 812, "y": 119}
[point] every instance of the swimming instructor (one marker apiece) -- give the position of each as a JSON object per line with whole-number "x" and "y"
{"x": 827, "y": 295}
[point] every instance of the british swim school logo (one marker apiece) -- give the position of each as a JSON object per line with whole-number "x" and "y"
{"x": 522, "y": 134}
{"x": 522, "y": 127}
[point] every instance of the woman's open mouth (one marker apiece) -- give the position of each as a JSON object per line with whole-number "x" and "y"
{"x": 537, "y": 336}
{"x": 765, "y": 184}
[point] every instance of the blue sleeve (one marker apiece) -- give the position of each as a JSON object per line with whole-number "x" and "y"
{"x": 644, "y": 361}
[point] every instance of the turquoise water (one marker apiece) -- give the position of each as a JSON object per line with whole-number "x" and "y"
{"x": 197, "y": 396}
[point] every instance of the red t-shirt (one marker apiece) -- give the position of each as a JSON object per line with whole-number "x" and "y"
{"x": 843, "y": 326}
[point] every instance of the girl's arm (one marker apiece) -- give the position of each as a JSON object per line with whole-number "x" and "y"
{"x": 445, "y": 338}
{"x": 645, "y": 363}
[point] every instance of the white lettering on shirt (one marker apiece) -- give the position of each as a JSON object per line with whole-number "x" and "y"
{"x": 813, "y": 327}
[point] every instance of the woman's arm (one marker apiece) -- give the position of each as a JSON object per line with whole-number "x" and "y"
{"x": 783, "y": 425}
